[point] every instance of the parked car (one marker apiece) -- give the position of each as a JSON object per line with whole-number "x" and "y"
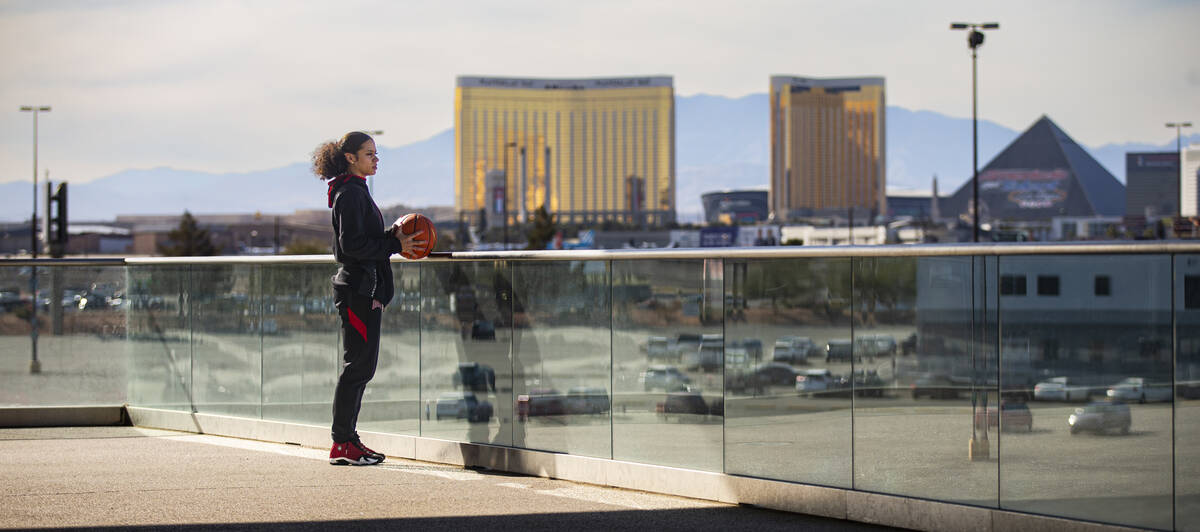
{"x": 814, "y": 381}
{"x": 1138, "y": 389}
{"x": 659, "y": 348}
{"x": 1012, "y": 415}
{"x": 774, "y": 374}
{"x": 682, "y": 403}
{"x": 463, "y": 405}
{"x": 541, "y": 402}
{"x": 865, "y": 383}
{"x": 686, "y": 343}
{"x": 708, "y": 356}
{"x": 666, "y": 378}
{"x": 1101, "y": 417}
{"x": 793, "y": 349}
{"x": 1060, "y": 389}
{"x": 737, "y": 358}
{"x": 870, "y": 346}
{"x": 586, "y": 400}
{"x": 840, "y": 350}
{"x": 753, "y": 347}
{"x": 936, "y": 387}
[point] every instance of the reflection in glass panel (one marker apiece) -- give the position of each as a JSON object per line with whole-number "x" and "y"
{"x": 788, "y": 370}
{"x": 561, "y": 357}
{"x": 466, "y": 369}
{"x": 1187, "y": 392}
{"x": 226, "y": 303}
{"x": 301, "y": 353}
{"x": 1099, "y": 365}
{"x": 918, "y": 438}
{"x": 667, "y": 362}
{"x": 15, "y": 342}
{"x": 159, "y": 337}
{"x": 81, "y": 323}
{"x": 390, "y": 403}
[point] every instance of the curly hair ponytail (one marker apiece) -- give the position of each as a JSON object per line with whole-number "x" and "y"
{"x": 328, "y": 161}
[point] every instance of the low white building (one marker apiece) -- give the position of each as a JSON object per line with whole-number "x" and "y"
{"x": 834, "y": 236}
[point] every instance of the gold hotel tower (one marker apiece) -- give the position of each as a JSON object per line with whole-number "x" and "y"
{"x": 590, "y": 150}
{"x": 827, "y": 147}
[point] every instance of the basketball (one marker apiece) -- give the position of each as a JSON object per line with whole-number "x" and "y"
{"x": 413, "y": 222}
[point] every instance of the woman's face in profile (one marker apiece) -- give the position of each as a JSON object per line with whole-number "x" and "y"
{"x": 366, "y": 161}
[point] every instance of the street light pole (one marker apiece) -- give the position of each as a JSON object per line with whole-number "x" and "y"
{"x": 1179, "y": 154}
{"x": 974, "y": 41}
{"x": 34, "y": 365}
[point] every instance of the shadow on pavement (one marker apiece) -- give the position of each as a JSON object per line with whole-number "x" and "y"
{"x": 732, "y": 518}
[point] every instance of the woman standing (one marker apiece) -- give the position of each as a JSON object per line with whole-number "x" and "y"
{"x": 362, "y": 286}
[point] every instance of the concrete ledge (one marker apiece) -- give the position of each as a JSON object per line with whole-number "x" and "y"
{"x": 62, "y": 416}
{"x": 889, "y": 510}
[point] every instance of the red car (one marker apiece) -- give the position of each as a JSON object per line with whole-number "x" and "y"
{"x": 1016, "y": 416}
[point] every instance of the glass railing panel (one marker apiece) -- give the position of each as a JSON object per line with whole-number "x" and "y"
{"x": 913, "y": 439}
{"x": 787, "y": 361}
{"x": 81, "y": 319}
{"x": 1094, "y": 336}
{"x": 668, "y": 401}
{"x": 80, "y": 350}
{"x": 159, "y": 337}
{"x": 1187, "y": 392}
{"x": 466, "y": 365}
{"x": 226, "y": 303}
{"x": 561, "y": 357}
{"x": 300, "y": 353}
{"x": 16, "y": 351}
{"x": 391, "y": 401}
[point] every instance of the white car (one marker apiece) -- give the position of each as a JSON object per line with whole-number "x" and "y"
{"x": 1137, "y": 389}
{"x": 814, "y": 380}
{"x": 1060, "y": 389}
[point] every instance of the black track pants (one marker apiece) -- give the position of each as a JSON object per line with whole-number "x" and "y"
{"x": 360, "y": 354}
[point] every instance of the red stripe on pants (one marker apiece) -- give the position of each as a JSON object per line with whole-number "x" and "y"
{"x": 357, "y": 324}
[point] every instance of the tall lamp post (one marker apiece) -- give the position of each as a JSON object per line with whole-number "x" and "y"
{"x": 371, "y": 183}
{"x": 34, "y": 365}
{"x": 974, "y": 41}
{"x": 1179, "y": 151}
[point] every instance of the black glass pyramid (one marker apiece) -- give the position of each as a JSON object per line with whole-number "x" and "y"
{"x": 1042, "y": 174}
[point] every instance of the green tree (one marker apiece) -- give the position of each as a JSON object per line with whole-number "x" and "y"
{"x": 188, "y": 240}
{"x": 543, "y": 229}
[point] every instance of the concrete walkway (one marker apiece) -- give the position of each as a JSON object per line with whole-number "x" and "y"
{"x": 133, "y": 479}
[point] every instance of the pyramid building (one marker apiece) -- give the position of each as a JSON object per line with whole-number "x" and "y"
{"x": 1040, "y": 175}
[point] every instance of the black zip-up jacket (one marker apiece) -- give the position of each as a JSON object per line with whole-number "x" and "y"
{"x": 361, "y": 243}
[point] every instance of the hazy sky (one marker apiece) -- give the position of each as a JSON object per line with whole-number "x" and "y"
{"x": 247, "y": 85}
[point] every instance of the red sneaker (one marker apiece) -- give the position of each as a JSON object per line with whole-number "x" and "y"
{"x": 368, "y": 450}
{"x": 352, "y": 453}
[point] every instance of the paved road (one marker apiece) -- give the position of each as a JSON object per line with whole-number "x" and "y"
{"x": 149, "y": 479}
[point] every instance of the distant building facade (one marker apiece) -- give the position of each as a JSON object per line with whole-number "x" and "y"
{"x": 917, "y": 205}
{"x": 1190, "y": 179}
{"x": 1151, "y": 184}
{"x": 827, "y": 146}
{"x": 589, "y": 150}
{"x": 735, "y": 206}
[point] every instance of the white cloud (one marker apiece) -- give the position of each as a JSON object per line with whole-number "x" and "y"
{"x": 226, "y": 85}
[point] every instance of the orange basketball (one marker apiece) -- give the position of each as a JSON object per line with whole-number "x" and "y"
{"x": 413, "y": 222}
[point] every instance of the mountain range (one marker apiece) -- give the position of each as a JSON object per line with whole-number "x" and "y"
{"x": 721, "y": 143}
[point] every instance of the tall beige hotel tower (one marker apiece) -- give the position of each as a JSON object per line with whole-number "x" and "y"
{"x": 590, "y": 150}
{"x": 827, "y": 147}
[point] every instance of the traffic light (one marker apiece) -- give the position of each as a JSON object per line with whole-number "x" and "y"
{"x": 56, "y": 213}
